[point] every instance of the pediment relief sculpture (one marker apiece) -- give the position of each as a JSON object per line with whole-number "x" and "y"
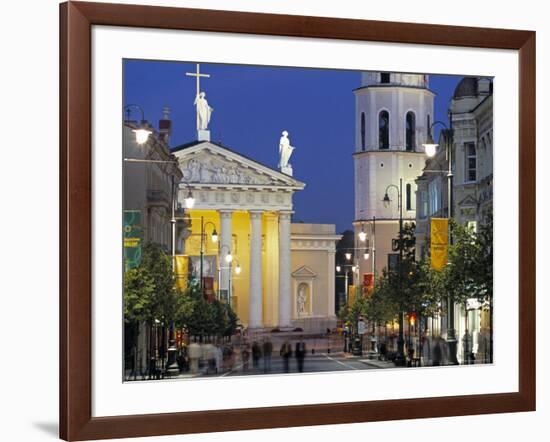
{"x": 215, "y": 170}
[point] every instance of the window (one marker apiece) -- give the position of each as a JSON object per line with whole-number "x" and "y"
{"x": 362, "y": 130}
{"x": 428, "y": 125}
{"x": 385, "y": 77}
{"x": 384, "y": 130}
{"x": 423, "y": 206}
{"x": 409, "y": 197}
{"x": 434, "y": 190}
{"x": 472, "y": 226}
{"x": 410, "y": 137}
{"x": 471, "y": 162}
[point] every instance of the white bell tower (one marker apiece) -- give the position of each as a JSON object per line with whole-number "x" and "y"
{"x": 393, "y": 115}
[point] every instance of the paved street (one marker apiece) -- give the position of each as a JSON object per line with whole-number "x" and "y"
{"x": 318, "y": 362}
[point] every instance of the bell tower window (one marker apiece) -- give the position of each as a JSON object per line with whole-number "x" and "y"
{"x": 410, "y": 136}
{"x": 384, "y": 130}
{"x": 385, "y": 78}
{"x": 363, "y": 124}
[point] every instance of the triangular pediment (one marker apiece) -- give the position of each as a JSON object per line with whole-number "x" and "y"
{"x": 207, "y": 163}
{"x": 304, "y": 272}
{"x": 468, "y": 201}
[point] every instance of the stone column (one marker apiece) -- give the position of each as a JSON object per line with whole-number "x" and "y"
{"x": 225, "y": 248}
{"x": 331, "y": 310}
{"x": 285, "y": 295}
{"x": 255, "y": 314}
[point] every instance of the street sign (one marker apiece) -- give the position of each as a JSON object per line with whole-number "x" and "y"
{"x": 361, "y": 328}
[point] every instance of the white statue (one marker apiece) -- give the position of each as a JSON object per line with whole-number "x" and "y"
{"x": 285, "y": 151}
{"x": 204, "y": 111}
{"x": 301, "y": 301}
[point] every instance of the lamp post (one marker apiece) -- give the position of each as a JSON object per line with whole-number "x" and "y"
{"x": 228, "y": 261}
{"x": 400, "y": 359}
{"x": 431, "y": 149}
{"x": 368, "y": 250}
{"x": 141, "y": 131}
{"x": 203, "y": 236}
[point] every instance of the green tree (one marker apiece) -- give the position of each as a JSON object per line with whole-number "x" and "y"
{"x": 469, "y": 272}
{"x": 149, "y": 295}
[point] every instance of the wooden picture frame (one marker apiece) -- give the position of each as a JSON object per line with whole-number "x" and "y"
{"x": 76, "y": 21}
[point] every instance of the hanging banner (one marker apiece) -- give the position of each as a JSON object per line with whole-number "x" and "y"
{"x": 132, "y": 238}
{"x": 368, "y": 283}
{"x": 352, "y": 294}
{"x": 439, "y": 242}
{"x": 181, "y": 270}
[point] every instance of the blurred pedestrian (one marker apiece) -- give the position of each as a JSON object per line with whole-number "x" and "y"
{"x": 286, "y": 352}
{"x": 245, "y": 356}
{"x": 300, "y": 353}
{"x": 383, "y": 352}
{"x": 209, "y": 355}
{"x": 219, "y": 358}
{"x": 267, "y": 350}
{"x": 256, "y": 354}
{"x": 437, "y": 353}
{"x": 194, "y": 356}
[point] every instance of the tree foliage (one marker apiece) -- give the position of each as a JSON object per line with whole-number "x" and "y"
{"x": 150, "y": 294}
{"x": 149, "y": 291}
{"x": 469, "y": 272}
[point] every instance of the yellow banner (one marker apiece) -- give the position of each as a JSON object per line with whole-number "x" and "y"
{"x": 439, "y": 242}
{"x": 181, "y": 270}
{"x": 351, "y": 294}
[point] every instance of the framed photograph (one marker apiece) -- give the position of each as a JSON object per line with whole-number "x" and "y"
{"x": 272, "y": 221}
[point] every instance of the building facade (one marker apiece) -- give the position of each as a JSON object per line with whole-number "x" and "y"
{"x": 285, "y": 270}
{"x": 149, "y": 182}
{"x": 470, "y": 141}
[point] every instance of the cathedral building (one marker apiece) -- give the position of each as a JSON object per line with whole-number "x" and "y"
{"x": 243, "y": 245}
{"x": 393, "y": 115}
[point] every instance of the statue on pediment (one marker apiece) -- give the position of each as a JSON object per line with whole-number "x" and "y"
{"x": 285, "y": 152}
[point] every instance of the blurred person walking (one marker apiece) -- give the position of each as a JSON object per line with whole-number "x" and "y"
{"x": 300, "y": 353}
{"x": 256, "y": 354}
{"x": 286, "y": 353}
{"x": 267, "y": 349}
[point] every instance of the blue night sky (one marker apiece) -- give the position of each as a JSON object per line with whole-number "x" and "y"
{"x": 254, "y": 104}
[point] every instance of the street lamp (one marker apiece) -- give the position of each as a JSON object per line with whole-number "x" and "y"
{"x": 431, "y": 148}
{"x": 228, "y": 259}
{"x": 189, "y": 200}
{"x": 400, "y": 360}
{"x": 238, "y": 268}
{"x": 346, "y": 278}
{"x": 142, "y": 132}
{"x": 348, "y": 256}
{"x": 362, "y": 235}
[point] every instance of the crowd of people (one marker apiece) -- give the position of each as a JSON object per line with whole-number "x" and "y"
{"x": 209, "y": 358}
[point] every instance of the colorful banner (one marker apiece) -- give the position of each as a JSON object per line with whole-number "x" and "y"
{"x": 368, "y": 283}
{"x": 181, "y": 271}
{"x": 439, "y": 242}
{"x": 352, "y": 294}
{"x": 132, "y": 238}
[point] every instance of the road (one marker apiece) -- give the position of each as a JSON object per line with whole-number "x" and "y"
{"x": 318, "y": 362}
